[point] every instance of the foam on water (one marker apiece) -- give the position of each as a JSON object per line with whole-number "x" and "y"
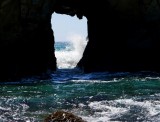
{"x": 96, "y": 97}
{"x": 123, "y": 110}
{"x": 69, "y": 57}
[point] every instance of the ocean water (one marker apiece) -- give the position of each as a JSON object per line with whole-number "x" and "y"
{"x": 96, "y": 97}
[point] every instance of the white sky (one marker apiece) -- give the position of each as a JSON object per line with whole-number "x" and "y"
{"x": 65, "y": 26}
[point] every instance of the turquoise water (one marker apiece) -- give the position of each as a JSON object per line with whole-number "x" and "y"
{"x": 96, "y": 97}
{"x": 63, "y": 46}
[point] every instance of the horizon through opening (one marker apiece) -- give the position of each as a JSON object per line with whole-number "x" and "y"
{"x": 70, "y": 34}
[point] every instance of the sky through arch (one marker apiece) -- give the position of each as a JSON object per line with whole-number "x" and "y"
{"x": 72, "y": 31}
{"x": 66, "y": 27}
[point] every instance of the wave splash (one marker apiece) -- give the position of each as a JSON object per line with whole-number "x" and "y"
{"x": 69, "y": 55}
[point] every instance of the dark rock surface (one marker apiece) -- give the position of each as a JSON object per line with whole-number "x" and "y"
{"x": 62, "y": 116}
{"x": 124, "y": 35}
{"x": 26, "y": 38}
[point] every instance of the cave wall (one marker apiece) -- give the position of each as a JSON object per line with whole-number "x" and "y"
{"x": 123, "y": 35}
{"x": 26, "y": 38}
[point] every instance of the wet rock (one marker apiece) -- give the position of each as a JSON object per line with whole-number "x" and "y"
{"x": 62, "y": 116}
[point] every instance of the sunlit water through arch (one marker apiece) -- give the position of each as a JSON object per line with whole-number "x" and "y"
{"x": 70, "y": 35}
{"x": 69, "y": 53}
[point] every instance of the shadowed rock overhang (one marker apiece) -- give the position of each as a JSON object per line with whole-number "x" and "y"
{"x": 124, "y": 35}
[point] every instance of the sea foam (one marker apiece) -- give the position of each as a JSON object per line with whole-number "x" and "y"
{"x": 69, "y": 57}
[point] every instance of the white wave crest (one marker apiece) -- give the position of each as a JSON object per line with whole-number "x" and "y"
{"x": 69, "y": 59}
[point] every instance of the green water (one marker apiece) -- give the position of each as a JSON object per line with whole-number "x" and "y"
{"x": 96, "y": 97}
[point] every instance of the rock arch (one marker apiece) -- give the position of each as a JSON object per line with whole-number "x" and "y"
{"x": 114, "y": 28}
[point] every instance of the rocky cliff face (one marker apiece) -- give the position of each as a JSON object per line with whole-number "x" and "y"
{"x": 26, "y": 38}
{"x": 123, "y": 35}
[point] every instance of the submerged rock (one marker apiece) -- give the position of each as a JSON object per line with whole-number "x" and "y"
{"x": 62, "y": 116}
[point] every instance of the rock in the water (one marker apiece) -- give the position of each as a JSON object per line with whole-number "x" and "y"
{"x": 62, "y": 116}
